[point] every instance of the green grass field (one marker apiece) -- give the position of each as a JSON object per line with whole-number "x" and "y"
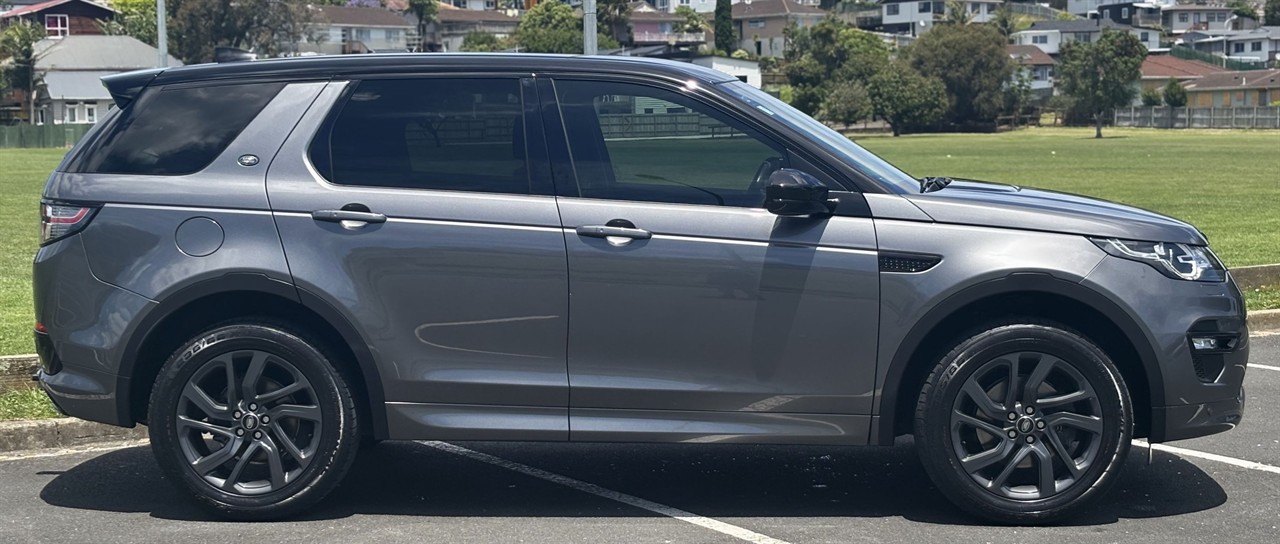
{"x": 1225, "y": 182}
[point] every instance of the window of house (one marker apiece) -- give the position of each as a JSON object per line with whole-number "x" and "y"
{"x": 1041, "y": 39}
{"x": 391, "y": 35}
{"x": 57, "y": 25}
{"x": 1082, "y": 37}
{"x": 975, "y": 8}
{"x": 708, "y": 158}
{"x": 490, "y": 4}
{"x": 1106, "y": 14}
{"x": 1255, "y": 46}
{"x": 460, "y": 4}
{"x": 1124, "y": 13}
{"x": 1144, "y": 36}
{"x": 71, "y": 113}
{"x": 42, "y": 116}
{"x": 756, "y": 23}
{"x": 91, "y": 113}
{"x": 439, "y": 134}
{"x": 1237, "y": 47}
{"x": 925, "y": 7}
{"x": 1182, "y": 17}
{"x": 684, "y": 2}
{"x": 362, "y": 34}
{"x": 891, "y": 9}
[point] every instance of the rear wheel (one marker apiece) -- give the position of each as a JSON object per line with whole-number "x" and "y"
{"x": 1024, "y": 423}
{"x": 254, "y": 421}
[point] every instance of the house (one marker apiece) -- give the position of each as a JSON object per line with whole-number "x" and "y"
{"x": 1036, "y": 64}
{"x": 914, "y": 17}
{"x": 341, "y": 30}
{"x": 748, "y": 71}
{"x": 761, "y": 24}
{"x": 1257, "y": 45}
{"x": 1139, "y": 14}
{"x": 1227, "y": 89}
{"x": 649, "y": 26}
{"x": 474, "y": 5}
{"x": 62, "y": 18}
{"x": 72, "y": 67}
{"x": 1181, "y": 18}
{"x": 1050, "y": 36}
{"x": 452, "y": 25}
{"x": 1157, "y": 70}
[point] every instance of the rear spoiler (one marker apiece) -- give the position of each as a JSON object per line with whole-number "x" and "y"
{"x": 124, "y": 88}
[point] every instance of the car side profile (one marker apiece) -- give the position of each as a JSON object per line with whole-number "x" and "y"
{"x": 270, "y": 263}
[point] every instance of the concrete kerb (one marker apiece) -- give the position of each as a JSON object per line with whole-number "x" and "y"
{"x": 15, "y": 371}
{"x": 1253, "y": 277}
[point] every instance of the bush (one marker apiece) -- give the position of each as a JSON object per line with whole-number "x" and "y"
{"x": 1152, "y": 97}
{"x": 1174, "y": 95}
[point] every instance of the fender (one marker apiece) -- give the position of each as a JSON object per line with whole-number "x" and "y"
{"x": 1022, "y": 282}
{"x": 258, "y": 283}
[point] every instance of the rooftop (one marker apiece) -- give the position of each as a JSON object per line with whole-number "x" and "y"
{"x": 450, "y": 14}
{"x": 1253, "y": 79}
{"x": 1079, "y": 25}
{"x": 96, "y": 52}
{"x": 1028, "y": 55}
{"x": 1167, "y": 66}
{"x": 772, "y": 8}
{"x": 33, "y": 8}
{"x": 353, "y": 16}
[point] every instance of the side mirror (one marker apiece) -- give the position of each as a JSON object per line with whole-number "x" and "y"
{"x": 792, "y": 192}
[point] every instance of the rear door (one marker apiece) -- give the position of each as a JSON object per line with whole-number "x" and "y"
{"x": 695, "y": 314}
{"x": 422, "y": 212}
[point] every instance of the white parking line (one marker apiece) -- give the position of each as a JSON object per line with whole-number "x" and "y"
{"x": 1242, "y": 463}
{"x": 1264, "y": 367}
{"x": 676, "y": 513}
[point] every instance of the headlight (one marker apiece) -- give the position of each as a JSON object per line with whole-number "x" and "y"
{"x": 1178, "y": 261}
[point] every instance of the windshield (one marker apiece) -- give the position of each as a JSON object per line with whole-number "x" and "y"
{"x": 864, "y": 161}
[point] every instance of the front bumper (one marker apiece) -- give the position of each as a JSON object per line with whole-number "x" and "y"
{"x": 1191, "y": 393}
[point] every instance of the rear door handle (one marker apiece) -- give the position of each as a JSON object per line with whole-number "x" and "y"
{"x": 338, "y": 216}
{"x": 605, "y": 231}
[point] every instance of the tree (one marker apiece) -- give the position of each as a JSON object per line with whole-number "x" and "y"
{"x": 614, "y": 18}
{"x": 552, "y": 27}
{"x": 1271, "y": 13}
{"x": 1242, "y": 8}
{"x": 18, "y": 44}
{"x": 1175, "y": 96}
{"x": 904, "y": 98}
{"x": 1099, "y": 76}
{"x": 482, "y": 42}
{"x": 725, "y": 38}
{"x": 1008, "y": 22}
{"x": 1152, "y": 97}
{"x": 693, "y": 21}
{"x": 425, "y": 12}
{"x": 846, "y": 104}
{"x": 957, "y": 13}
{"x": 973, "y": 64}
{"x": 136, "y": 18}
{"x": 1017, "y": 94}
{"x": 196, "y": 27}
{"x": 829, "y": 53}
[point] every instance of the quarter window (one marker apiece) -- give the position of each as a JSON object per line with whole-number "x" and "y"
{"x": 442, "y": 134}
{"x": 640, "y": 143}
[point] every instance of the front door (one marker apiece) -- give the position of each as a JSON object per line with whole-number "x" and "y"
{"x": 695, "y": 314}
{"x": 416, "y": 212}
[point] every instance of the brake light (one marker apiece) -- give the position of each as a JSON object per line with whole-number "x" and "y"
{"x": 58, "y": 221}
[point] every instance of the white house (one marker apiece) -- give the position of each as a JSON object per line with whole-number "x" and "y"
{"x": 340, "y": 30}
{"x": 1256, "y": 45}
{"x": 1037, "y": 65}
{"x": 72, "y": 68}
{"x": 915, "y": 16}
{"x": 1181, "y": 18}
{"x": 746, "y": 70}
{"x": 476, "y": 5}
{"x": 1050, "y": 36}
{"x": 700, "y": 6}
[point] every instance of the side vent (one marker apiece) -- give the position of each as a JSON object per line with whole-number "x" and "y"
{"x": 907, "y": 263}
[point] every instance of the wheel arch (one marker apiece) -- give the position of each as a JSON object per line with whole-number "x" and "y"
{"x": 184, "y": 313}
{"x": 1034, "y": 294}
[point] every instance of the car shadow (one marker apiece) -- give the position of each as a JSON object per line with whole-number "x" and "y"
{"x": 717, "y": 481}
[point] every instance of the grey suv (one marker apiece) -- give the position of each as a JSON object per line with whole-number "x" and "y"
{"x": 269, "y": 263}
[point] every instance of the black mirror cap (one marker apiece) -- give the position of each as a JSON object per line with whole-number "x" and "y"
{"x": 792, "y": 192}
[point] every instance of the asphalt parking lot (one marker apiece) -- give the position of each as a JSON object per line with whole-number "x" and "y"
{"x": 549, "y": 493}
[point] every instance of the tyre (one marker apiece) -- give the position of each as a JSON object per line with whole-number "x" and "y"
{"x": 1024, "y": 423}
{"x": 254, "y": 421}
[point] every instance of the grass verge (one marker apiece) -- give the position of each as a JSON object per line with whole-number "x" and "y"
{"x": 26, "y": 404}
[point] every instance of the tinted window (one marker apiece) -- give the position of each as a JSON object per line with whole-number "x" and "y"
{"x": 634, "y": 142}
{"x": 451, "y": 134}
{"x": 178, "y": 131}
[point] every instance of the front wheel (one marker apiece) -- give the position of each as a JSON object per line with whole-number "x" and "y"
{"x": 252, "y": 420}
{"x": 1024, "y": 423}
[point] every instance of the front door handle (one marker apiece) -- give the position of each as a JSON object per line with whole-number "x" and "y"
{"x": 605, "y": 231}
{"x": 338, "y": 216}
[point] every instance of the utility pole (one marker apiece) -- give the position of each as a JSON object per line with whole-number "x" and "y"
{"x": 162, "y": 35}
{"x": 588, "y": 27}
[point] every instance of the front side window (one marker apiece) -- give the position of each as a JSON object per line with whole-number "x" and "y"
{"x": 57, "y": 26}
{"x": 441, "y": 134}
{"x": 640, "y": 143}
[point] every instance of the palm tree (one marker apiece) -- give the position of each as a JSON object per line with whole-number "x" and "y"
{"x": 17, "y": 42}
{"x": 957, "y": 14}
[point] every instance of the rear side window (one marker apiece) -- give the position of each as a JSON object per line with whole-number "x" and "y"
{"x": 442, "y": 134}
{"x": 178, "y": 131}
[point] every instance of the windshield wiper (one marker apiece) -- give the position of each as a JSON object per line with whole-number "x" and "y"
{"x": 929, "y": 185}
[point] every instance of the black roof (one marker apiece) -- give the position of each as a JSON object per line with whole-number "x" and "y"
{"x": 124, "y": 87}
